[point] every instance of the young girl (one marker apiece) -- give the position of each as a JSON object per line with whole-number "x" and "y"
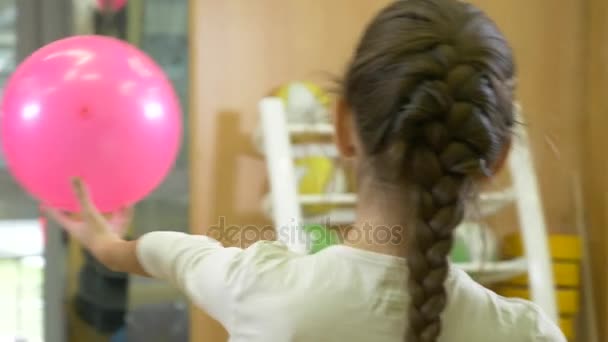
{"x": 426, "y": 115}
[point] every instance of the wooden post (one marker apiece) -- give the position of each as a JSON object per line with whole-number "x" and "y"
{"x": 594, "y": 151}
{"x": 202, "y": 327}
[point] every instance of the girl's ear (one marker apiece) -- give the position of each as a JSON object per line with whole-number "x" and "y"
{"x": 502, "y": 158}
{"x": 344, "y": 129}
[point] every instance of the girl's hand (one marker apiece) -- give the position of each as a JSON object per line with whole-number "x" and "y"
{"x": 92, "y": 229}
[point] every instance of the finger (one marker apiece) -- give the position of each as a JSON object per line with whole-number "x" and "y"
{"x": 82, "y": 193}
{"x": 60, "y": 218}
{"x": 123, "y": 216}
{"x": 121, "y": 221}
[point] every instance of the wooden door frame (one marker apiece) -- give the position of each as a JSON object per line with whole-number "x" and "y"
{"x": 595, "y": 166}
{"x": 202, "y": 326}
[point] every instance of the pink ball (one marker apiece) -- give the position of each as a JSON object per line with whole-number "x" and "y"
{"x": 115, "y": 5}
{"x": 92, "y": 107}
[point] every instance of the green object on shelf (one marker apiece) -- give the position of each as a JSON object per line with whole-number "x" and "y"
{"x": 321, "y": 237}
{"x": 460, "y": 251}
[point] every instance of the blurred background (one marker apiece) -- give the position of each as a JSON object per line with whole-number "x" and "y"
{"x": 541, "y": 233}
{"x": 38, "y": 297}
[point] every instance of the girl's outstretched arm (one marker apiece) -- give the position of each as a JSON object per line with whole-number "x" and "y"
{"x": 100, "y": 235}
{"x": 199, "y": 266}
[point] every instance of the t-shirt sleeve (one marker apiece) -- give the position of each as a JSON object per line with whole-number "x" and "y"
{"x": 546, "y": 330}
{"x": 197, "y": 265}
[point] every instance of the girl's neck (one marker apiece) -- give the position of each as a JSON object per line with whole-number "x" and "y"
{"x": 381, "y": 221}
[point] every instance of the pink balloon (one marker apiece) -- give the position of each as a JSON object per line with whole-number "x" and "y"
{"x": 93, "y": 107}
{"x": 115, "y": 5}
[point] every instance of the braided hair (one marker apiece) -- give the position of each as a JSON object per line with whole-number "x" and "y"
{"x": 429, "y": 89}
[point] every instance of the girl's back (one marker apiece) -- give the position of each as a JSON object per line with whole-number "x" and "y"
{"x": 266, "y": 293}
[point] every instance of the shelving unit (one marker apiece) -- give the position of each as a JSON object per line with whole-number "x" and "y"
{"x": 284, "y": 204}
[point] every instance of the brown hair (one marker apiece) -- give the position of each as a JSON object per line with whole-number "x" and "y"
{"x": 429, "y": 89}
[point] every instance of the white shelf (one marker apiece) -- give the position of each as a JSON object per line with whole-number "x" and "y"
{"x": 321, "y": 130}
{"x": 492, "y": 272}
{"x": 490, "y": 202}
{"x": 326, "y": 129}
{"x": 334, "y": 217}
{"x": 329, "y": 199}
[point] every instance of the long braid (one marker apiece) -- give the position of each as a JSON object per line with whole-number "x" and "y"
{"x": 441, "y": 166}
{"x": 428, "y": 86}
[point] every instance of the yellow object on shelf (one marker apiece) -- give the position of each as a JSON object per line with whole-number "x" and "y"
{"x": 567, "y": 299}
{"x": 566, "y": 254}
{"x": 315, "y": 174}
{"x": 284, "y": 92}
{"x": 562, "y": 247}
{"x": 566, "y": 274}
{"x": 566, "y": 324}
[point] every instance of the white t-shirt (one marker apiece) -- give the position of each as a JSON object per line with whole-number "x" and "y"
{"x": 266, "y": 293}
